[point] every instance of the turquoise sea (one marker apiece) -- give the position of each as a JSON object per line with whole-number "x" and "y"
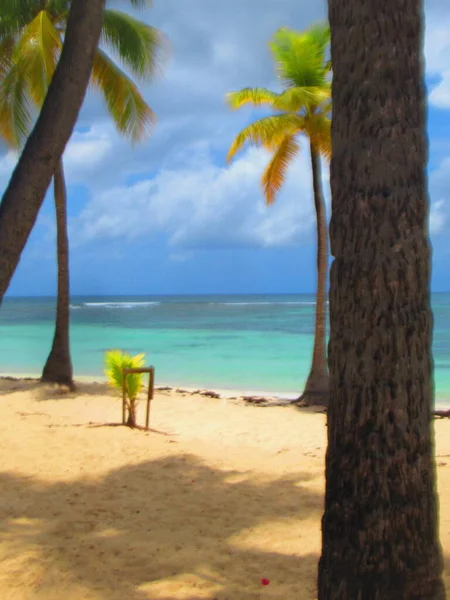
{"x": 254, "y": 343}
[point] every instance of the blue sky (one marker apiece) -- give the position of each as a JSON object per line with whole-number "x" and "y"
{"x": 169, "y": 216}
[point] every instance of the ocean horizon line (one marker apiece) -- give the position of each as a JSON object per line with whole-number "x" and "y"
{"x": 171, "y": 295}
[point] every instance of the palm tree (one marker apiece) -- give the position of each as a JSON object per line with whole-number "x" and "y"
{"x": 32, "y": 51}
{"x": 115, "y": 362}
{"x": 302, "y": 109}
{"x": 380, "y": 526}
{"x": 25, "y": 193}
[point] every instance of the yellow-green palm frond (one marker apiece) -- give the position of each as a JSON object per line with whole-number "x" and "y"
{"x": 131, "y": 114}
{"x": 319, "y": 34}
{"x": 138, "y": 46}
{"x": 300, "y": 56}
{"x": 275, "y": 173}
{"x": 318, "y": 129}
{"x": 115, "y": 362}
{"x": 254, "y": 96}
{"x": 267, "y": 132}
{"x": 36, "y": 54}
{"x": 296, "y": 99}
{"x": 16, "y": 113}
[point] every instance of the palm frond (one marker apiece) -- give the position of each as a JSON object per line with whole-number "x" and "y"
{"x": 267, "y": 132}
{"x": 36, "y": 54}
{"x": 115, "y": 362}
{"x": 15, "y": 14}
{"x": 6, "y": 55}
{"x": 296, "y": 99}
{"x": 318, "y": 129}
{"x": 319, "y": 34}
{"x": 254, "y": 96}
{"x": 138, "y": 46}
{"x": 16, "y": 112}
{"x": 275, "y": 173}
{"x": 300, "y": 57}
{"x": 131, "y": 114}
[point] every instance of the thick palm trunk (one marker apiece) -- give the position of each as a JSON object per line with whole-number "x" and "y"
{"x": 58, "y": 368}
{"x": 26, "y": 190}
{"x": 380, "y": 528}
{"x": 316, "y": 388}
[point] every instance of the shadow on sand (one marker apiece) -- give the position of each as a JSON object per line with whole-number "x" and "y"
{"x": 145, "y": 529}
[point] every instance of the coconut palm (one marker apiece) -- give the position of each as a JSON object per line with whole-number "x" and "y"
{"x": 301, "y": 109}
{"x": 31, "y": 48}
{"x": 380, "y": 526}
{"x": 25, "y": 192}
{"x": 115, "y": 362}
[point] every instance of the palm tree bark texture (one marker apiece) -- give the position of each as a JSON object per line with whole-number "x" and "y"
{"x": 25, "y": 193}
{"x": 380, "y": 526}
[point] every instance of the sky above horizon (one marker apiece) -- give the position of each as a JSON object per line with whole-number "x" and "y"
{"x": 169, "y": 216}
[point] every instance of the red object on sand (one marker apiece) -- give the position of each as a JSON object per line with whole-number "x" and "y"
{"x": 265, "y": 581}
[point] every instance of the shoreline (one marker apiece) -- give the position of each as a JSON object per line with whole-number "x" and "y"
{"x": 257, "y": 397}
{"x": 285, "y": 397}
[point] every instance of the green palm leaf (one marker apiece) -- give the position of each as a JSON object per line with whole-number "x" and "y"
{"x": 131, "y": 114}
{"x": 254, "y": 96}
{"x": 267, "y": 132}
{"x": 36, "y": 54}
{"x": 115, "y": 362}
{"x": 6, "y": 55}
{"x": 137, "y": 44}
{"x": 300, "y": 57}
{"x": 16, "y": 113}
{"x": 297, "y": 99}
{"x": 15, "y": 14}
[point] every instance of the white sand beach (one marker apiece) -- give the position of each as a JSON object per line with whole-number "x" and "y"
{"x": 217, "y": 497}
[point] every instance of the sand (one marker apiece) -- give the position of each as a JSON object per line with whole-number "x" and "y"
{"x": 218, "y": 496}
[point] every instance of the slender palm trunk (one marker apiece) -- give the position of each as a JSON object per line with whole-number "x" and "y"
{"x": 380, "y": 526}
{"x": 25, "y": 193}
{"x": 58, "y": 368}
{"x": 132, "y": 413}
{"x": 316, "y": 388}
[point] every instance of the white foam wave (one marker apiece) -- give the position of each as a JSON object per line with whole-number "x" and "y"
{"x": 119, "y": 304}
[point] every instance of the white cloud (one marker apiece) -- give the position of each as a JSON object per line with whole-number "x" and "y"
{"x": 439, "y": 188}
{"x": 438, "y": 217}
{"x": 440, "y": 95}
{"x": 206, "y": 206}
{"x": 7, "y": 164}
{"x": 86, "y": 151}
{"x": 437, "y": 54}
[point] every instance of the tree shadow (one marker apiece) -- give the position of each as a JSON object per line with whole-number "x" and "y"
{"x": 148, "y": 530}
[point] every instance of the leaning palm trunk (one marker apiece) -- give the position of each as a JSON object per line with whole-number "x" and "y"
{"x": 316, "y": 388}
{"x": 58, "y": 368}
{"x": 26, "y": 190}
{"x": 380, "y": 526}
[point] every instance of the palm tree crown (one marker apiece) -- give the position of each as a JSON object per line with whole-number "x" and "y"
{"x": 303, "y": 106}
{"x": 31, "y": 38}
